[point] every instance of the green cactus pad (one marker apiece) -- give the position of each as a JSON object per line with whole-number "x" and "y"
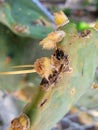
{"x": 24, "y": 18}
{"x": 49, "y": 106}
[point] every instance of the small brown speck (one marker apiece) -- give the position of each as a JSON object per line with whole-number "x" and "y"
{"x": 70, "y": 43}
{"x": 43, "y": 102}
{"x": 72, "y": 92}
{"x": 39, "y": 22}
{"x": 85, "y": 33}
{"x": 43, "y": 22}
{"x": 20, "y": 28}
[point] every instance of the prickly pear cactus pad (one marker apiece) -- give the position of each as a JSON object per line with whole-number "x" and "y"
{"x": 24, "y": 18}
{"x": 73, "y": 65}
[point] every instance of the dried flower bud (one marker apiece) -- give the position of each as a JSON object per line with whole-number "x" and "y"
{"x": 20, "y": 123}
{"x": 43, "y": 66}
{"x": 52, "y": 39}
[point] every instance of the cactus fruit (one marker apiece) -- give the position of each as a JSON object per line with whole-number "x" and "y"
{"x": 73, "y": 66}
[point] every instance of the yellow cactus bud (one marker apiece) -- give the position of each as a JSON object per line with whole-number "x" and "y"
{"x": 60, "y": 19}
